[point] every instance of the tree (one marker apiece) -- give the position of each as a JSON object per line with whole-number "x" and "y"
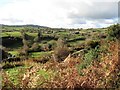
{"x": 24, "y": 35}
{"x": 38, "y": 38}
{"x": 26, "y": 44}
{"x": 4, "y": 53}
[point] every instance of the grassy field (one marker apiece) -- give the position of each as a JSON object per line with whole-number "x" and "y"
{"x": 13, "y": 34}
{"x": 16, "y": 34}
{"x": 39, "y": 54}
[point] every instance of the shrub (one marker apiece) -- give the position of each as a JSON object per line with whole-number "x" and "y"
{"x": 76, "y": 32}
{"x": 52, "y": 44}
{"x": 24, "y": 51}
{"x": 12, "y": 65}
{"x": 42, "y": 59}
{"x": 35, "y": 47}
{"x": 92, "y": 43}
{"x": 114, "y": 31}
{"x": 102, "y": 35}
{"x": 49, "y": 46}
{"x": 61, "y": 51}
{"x": 45, "y": 47}
{"x": 79, "y": 46}
{"x": 25, "y": 42}
{"x": 38, "y": 38}
{"x": 24, "y": 35}
{"x": 77, "y": 39}
{"x": 88, "y": 59}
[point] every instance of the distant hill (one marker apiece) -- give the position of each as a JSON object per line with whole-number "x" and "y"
{"x": 28, "y": 25}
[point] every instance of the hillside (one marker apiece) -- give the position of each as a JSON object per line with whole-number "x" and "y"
{"x": 61, "y": 58}
{"x": 28, "y": 25}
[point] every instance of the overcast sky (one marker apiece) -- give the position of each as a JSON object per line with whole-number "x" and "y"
{"x": 59, "y": 13}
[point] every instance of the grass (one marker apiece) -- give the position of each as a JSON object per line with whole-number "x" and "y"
{"x": 76, "y": 43}
{"x": 16, "y": 74}
{"x": 32, "y": 34}
{"x": 16, "y": 53}
{"x": 45, "y": 74}
{"x": 13, "y": 34}
{"x": 63, "y": 33}
{"x": 39, "y": 54}
{"x": 13, "y": 74}
{"x": 16, "y": 34}
{"x": 33, "y": 54}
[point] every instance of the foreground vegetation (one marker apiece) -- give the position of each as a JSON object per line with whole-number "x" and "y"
{"x": 60, "y": 58}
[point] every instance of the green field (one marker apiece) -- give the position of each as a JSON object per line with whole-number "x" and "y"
{"x": 39, "y": 54}
{"x": 12, "y": 34}
{"x": 16, "y": 53}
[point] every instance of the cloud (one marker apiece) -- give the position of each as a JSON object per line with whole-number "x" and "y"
{"x": 89, "y": 13}
{"x": 60, "y": 13}
{"x": 12, "y": 20}
{"x": 101, "y": 11}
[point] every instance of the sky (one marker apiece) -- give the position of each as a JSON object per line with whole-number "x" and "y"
{"x": 60, "y": 13}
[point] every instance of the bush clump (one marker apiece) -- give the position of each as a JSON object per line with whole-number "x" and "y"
{"x": 92, "y": 43}
{"x": 61, "y": 51}
{"x": 114, "y": 31}
{"x": 35, "y": 47}
{"x": 89, "y": 57}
